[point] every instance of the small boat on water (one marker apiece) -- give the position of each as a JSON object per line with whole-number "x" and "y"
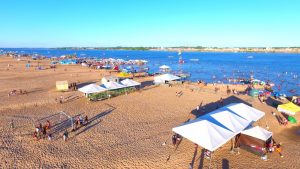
{"x": 250, "y": 57}
{"x": 181, "y": 61}
{"x": 183, "y": 75}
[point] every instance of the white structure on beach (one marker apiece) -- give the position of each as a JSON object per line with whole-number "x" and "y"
{"x": 165, "y": 68}
{"x": 113, "y": 85}
{"x": 107, "y": 79}
{"x": 130, "y": 83}
{"x": 161, "y": 79}
{"x": 258, "y": 132}
{"x": 214, "y": 129}
{"x": 91, "y": 88}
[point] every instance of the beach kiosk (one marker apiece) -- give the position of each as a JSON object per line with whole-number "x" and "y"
{"x": 288, "y": 108}
{"x": 254, "y": 139}
{"x": 107, "y": 79}
{"x": 62, "y": 86}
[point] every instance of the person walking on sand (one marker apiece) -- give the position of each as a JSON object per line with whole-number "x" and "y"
{"x": 12, "y": 125}
{"x": 37, "y": 133}
{"x": 44, "y": 131}
{"x": 174, "y": 139}
{"x": 48, "y": 125}
{"x": 49, "y": 136}
{"x": 65, "y": 135}
{"x": 86, "y": 120}
{"x": 278, "y": 149}
{"x": 198, "y": 108}
{"x": 80, "y": 120}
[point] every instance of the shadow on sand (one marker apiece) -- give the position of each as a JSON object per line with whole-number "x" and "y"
{"x": 204, "y": 109}
{"x": 147, "y": 84}
{"x": 84, "y": 84}
{"x": 225, "y": 163}
{"x": 273, "y": 102}
{"x": 97, "y": 118}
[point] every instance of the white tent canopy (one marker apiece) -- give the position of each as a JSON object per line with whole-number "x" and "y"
{"x": 113, "y": 85}
{"x": 130, "y": 83}
{"x": 246, "y": 112}
{"x": 92, "y": 88}
{"x": 204, "y": 133}
{"x": 258, "y": 132}
{"x": 165, "y": 77}
{"x": 230, "y": 120}
{"x": 216, "y": 128}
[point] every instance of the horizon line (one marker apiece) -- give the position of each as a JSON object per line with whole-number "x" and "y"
{"x": 151, "y": 47}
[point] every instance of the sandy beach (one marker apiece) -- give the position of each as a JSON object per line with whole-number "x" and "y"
{"x": 127, "y": 131}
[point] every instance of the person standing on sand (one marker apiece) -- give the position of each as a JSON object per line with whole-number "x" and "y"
{"x": 221, "y": 102}
{"x": 61, "y": 98}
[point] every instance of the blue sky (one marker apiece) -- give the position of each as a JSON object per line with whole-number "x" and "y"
{"x": 222, "y": 23}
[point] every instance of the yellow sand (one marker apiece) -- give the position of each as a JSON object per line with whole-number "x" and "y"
{"x": 126, "y": 132}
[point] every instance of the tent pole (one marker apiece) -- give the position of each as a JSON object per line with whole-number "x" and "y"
{"x": 210, "y": 159}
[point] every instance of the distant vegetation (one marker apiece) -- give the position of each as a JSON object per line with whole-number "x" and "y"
{"x": 195, "y": 48}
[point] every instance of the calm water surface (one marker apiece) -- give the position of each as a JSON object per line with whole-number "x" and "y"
{"x": 281, "y": 68}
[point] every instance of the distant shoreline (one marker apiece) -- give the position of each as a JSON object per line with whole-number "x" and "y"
{"x": 184, "y": 49}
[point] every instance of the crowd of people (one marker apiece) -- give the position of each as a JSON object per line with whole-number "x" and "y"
{"x": 176, "y": 139}
{"x": 81, "y": 122}
{"x": 15, "y": 92}
{"x": 43, "y": 131}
